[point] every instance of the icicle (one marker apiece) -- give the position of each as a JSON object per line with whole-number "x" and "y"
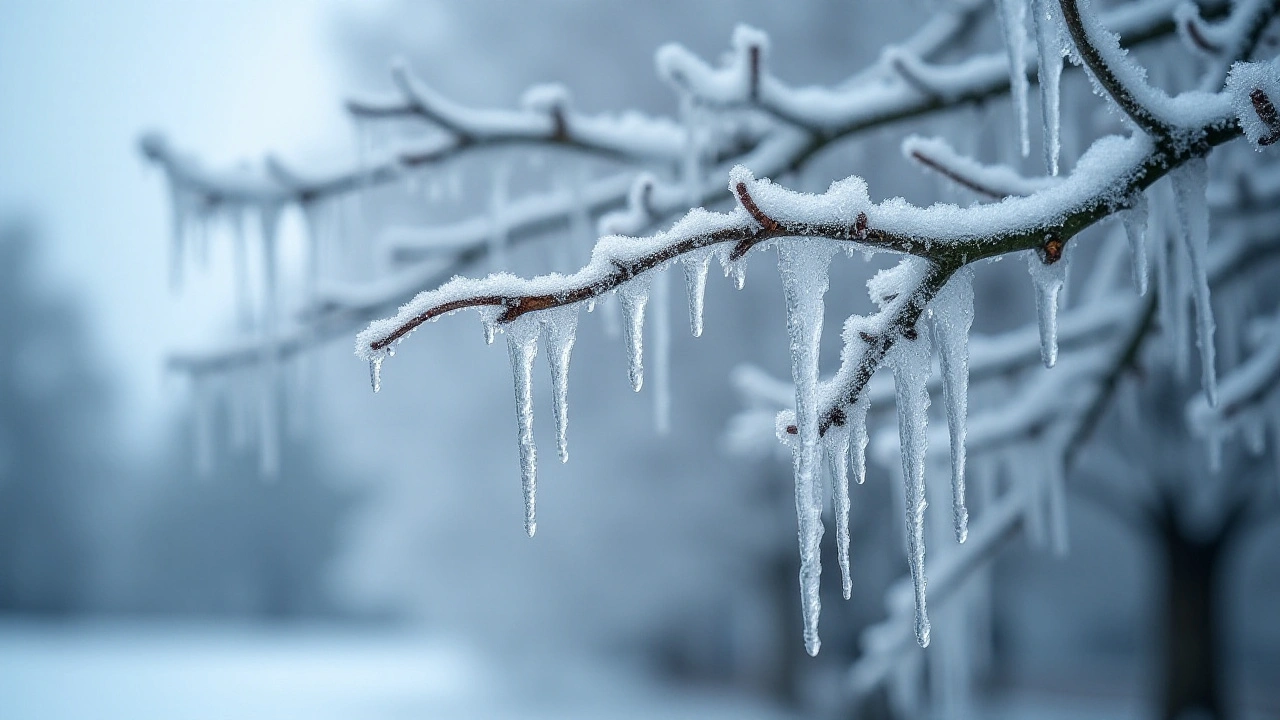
{"x": 952, "y": 319}
{"x": 498, "y": 218}
{"x": 375, "y": 372}
{"x": 734, "y": 269}
{"x": 634, "y": 296}
{"x": 489, "y": 322}
{"x": 1190, "y": 181}
{"x": 661, "y": 353}
{"x": 1049, "y": 279}
{"x": 1049, "y": 42}
{"x": 1013, "y": 24}
{"x": 522, "y": 346}
{"x": 1167, "y": 295}
{"x": 857, "y": 418}
{"x": 696, "y": 266}
{"x": 836, "y": 444}
{"x": 1135, "y": 229}
{"x": 562, "y": 330}
{"x": 803, "y": 267}
{"x": 911, "y": 367}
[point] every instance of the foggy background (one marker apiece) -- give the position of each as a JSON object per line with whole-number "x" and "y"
{"x": 385, "y": 572}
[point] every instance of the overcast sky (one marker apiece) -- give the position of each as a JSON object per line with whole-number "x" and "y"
{"x": 81, "y": 78}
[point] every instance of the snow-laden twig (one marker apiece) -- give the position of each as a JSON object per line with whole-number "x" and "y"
{"x": 858, "y": 106}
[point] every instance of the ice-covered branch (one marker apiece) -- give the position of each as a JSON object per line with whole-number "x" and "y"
{"x": 1118, "y": 76}
{"x": 992, "y": 181}
{"x": 860, "y": 105}
{"x": 547, "y": 118}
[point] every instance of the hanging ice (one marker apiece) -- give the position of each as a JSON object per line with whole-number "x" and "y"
{"x": 1190, "y": 181}
{"x": 1048, "y": 279}
{"x": 522, "y": 345}
{"x": 561, "y": 331}
{"x": 1013, "y": 15}
{"x": 1044, "y": 14}
{"x": 1135, "y": 229}
{"x": 857, "y": 419}
{"x": 634, "y": 296}
{"x": 375, "y": 372}
{"x": 911, "y": 365}
{"x": 952, "y": 319}
{"x": 696, "y": 266}
{"x": 803, "y": 267}
{"x": 661, "y": 353}
{"x": 836, "y": 444}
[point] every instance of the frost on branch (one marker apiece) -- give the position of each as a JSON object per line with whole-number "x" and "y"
{"x": 992, "y": 181}
{"x": 1253, "y": 87}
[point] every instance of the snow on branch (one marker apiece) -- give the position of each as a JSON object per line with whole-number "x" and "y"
{"x": 547, "y": 117}
{"x": 860, "y": 105}
{"x": 992, "y": 181}
{"x": 940, "y": 240}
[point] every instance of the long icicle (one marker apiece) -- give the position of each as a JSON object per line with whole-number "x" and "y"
{"x": 836, "y": 443}
{"x": 1013, "y": 15}
{"x": 522, "y": 345}
{"x": 911, "y": 368}
{"x": 561, "y": 331}
{"x": 1190, "y": 181}
{"x": 1049, "y": 71}
{"x": 803, "y": 266}
{"x": 952, "y": 320}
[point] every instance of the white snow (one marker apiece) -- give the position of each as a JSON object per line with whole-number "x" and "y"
{"x": 997, "y": 181}
{"x": 1244, "y": 79}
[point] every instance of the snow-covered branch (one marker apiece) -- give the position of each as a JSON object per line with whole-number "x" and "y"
{"x": 862, "y": 104}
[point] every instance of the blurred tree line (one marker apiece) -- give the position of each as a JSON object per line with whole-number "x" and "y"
{"x": 85, "y": 527}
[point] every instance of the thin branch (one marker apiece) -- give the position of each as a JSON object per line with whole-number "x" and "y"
{"x": 1089, "y": 42}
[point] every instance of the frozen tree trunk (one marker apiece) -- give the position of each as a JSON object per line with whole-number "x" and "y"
{"x": 1191, "y": 641}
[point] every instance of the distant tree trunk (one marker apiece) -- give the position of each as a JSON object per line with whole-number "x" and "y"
{"x": 1191, "y": 671}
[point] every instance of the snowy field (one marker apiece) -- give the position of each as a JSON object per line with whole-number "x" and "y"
{"x": 198, "y": 672}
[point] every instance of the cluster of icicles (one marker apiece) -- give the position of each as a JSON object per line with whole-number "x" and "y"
{"x": 803, "y": 265}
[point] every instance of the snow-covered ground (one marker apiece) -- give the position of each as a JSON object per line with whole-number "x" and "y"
{"x": 138, "y": 671}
